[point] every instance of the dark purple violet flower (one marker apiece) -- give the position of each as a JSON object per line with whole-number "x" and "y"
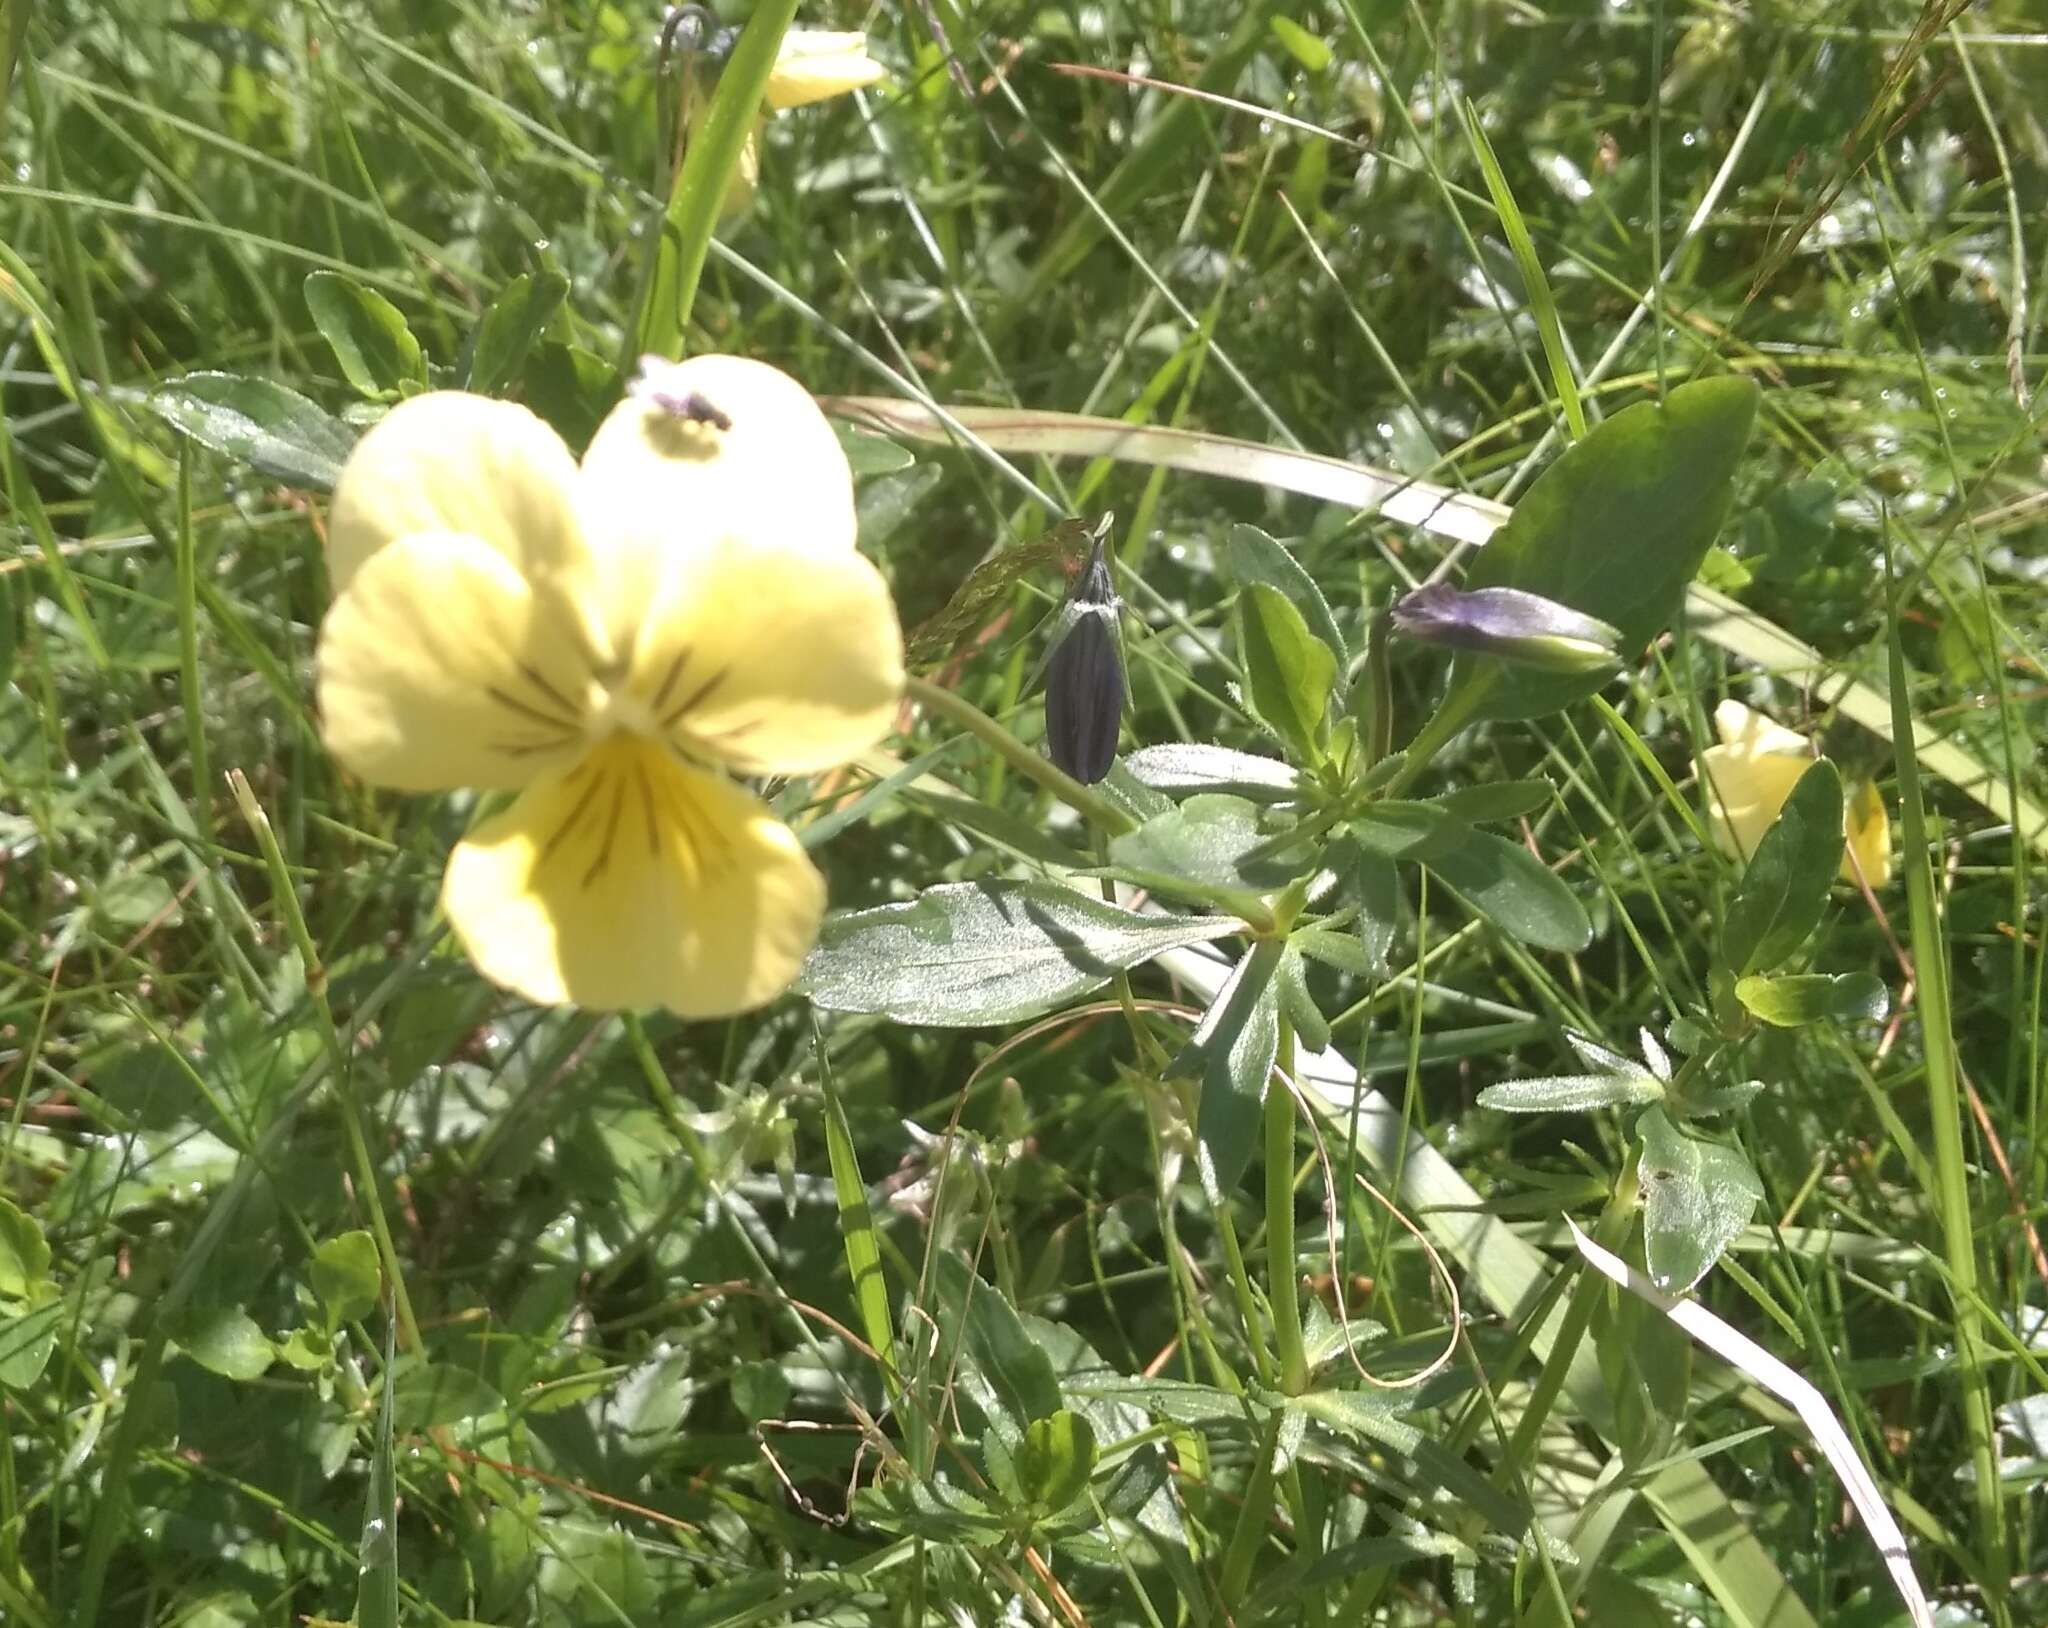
{"x": 1519, "y": 627}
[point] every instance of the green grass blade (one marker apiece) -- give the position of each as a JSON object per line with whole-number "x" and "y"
{"x": 1945, "y": 1113}
{"x": 377, "y": 1592}
{"x": 857, "y": 1229}
{"x": 1541, "y": 301}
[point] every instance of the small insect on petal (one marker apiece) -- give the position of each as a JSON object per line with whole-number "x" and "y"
{"x": 651, "y": 385}
{"x": 1084, "y": 684}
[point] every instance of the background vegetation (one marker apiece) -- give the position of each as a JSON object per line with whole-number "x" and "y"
{"x": 643, "y": 1399}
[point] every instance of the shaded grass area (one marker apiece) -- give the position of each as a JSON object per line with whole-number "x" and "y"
{"x": 649, "y": 1393}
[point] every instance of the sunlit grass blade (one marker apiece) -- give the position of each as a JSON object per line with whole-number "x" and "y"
{"x": 377, "y": 1556}
{"x": 1535, "y": 283}
{"x": 857, "y": 1229}
{"x": 1945, "y": 1109}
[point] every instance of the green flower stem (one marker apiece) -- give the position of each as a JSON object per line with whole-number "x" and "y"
{"x": 344, "y": 1088}
{"x": 1462, "y": 700}
{"x": 1952, "y": 1194}
{"x": 190, "y": 688}
{"x": 1283, "y": 1289}
{"x": 683, "y": 236}
{"x": 861, "y": 1240}
{"x": 937, "y": 698}
{"x": 1611, "y": 1233}
{"x": 1247, "y": 1297}
{"x": 1252, "y": 1518}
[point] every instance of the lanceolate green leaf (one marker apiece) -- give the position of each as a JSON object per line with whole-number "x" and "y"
{"x": 273, "y": 429}
{"x": 1784, "y": 891}
{"x": 1256, "y": 557}
{"x": 367, "y": 333}
{"x": 1210, "y": 840}
{"x": 1787, "y": 1002}
{"x": 1615, "y": 529}
{"x": 1232, "y": 1055}
{"x": 1288, "y": 670}
{"x": 1515, "y": 891}
{"x": 516, "y": 318}
{"x": 1010, "y": 1376}
{"x": 974, "y": 953}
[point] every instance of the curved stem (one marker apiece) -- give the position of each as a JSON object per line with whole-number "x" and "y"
{"x": 957, "y": 709}
{"x": 1453, "y": 715}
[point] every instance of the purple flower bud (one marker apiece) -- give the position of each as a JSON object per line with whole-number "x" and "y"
{"x": 1515, "y": 626}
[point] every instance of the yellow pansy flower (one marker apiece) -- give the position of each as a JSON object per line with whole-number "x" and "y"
{"x": 1751, "y": 774}
{"x": 811, "y": 65}
{"x": 612, "y": 643}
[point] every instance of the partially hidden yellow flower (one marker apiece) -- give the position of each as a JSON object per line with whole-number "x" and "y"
{"x": 811, "y": 65}
{"x": 1750, "y": 775}
{"x": 613, "y": 643}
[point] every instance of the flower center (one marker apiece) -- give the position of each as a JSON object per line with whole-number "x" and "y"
{"x": 629, "y": 805}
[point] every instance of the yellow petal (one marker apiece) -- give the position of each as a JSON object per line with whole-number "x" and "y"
{"x": 814, "y": 64}
{"x": 773, "y": 660}
{"x": 450, "y": 462}
{"x": 636, "y": 881}
{"x": 716, "y": 449}
{"x": 746, "y": 176}
{"x": 1869, "y": 828}
{"x": 439, "y": 666}
{"x": 1749, "y": 732}
{"x": 1746, "y": 792}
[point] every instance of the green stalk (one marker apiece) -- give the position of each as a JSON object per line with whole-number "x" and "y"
{"x": 1452, "y": 714}
{"x": 857, "y": 1229}
{"x": 1610, "y": 1233}
{"x": 190, "y": 689}
{"x": 344, "y": 1084}
{"x": 1945, "y": 1112}
{"x": 956, "y": 708}
{"x": 1251, "y": 1519}
{"x": 683, "y": 240}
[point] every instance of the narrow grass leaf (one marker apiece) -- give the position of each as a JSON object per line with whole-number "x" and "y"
{"x": 377, "y": 1554}
{"x": 1953, "y": 1195}
{"x": 1535, "y": 283}
{"x": 857, "y": 1230}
